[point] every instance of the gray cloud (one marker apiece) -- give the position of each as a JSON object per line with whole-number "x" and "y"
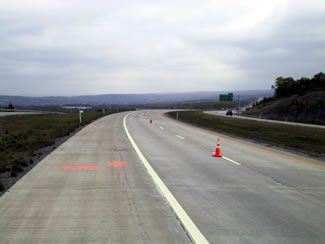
{"x": 56, "y": 47}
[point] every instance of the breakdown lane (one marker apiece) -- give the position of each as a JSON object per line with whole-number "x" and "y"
{"x": 93, "y": 188}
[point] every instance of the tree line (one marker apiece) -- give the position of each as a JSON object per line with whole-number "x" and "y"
{"x": 286, "y": 87}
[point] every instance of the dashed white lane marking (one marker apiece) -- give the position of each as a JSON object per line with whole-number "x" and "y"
{"x": 189, "y": 225}
{"x": 230, "y": 160}
{"x": 180, "y": 137}
{"x": 161, "y": 128}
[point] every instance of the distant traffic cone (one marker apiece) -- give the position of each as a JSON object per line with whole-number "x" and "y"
{"x": 150, "y": 121}
{"x": 144, "y": 113}
{"x": 217, "y": 153}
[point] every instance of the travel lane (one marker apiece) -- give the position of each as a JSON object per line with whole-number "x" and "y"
{"x": 266, "y": 199}
{"x": 255, "y": 156}
{"x": 115, "y": 202}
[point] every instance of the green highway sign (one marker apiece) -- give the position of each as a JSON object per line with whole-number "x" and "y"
{"x": 226, "y": 97}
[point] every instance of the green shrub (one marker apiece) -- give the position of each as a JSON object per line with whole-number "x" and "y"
{"x": 16, "y": 169}
{"x": 20, "y": 163}
{"x": 23, "y": 163}
{"x": 2, "y": 188}
{"x": 2, "y": 170}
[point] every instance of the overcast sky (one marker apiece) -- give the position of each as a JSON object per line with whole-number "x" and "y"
{"x": 74, "y": 47}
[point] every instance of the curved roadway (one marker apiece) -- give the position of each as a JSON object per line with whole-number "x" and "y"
{"x": 258, "y": 195}
{"x": 91, "y": 189}
{"x": 95, "y": 189}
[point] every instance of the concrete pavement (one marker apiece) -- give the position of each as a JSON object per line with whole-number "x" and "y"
{"x": 271, "y": 196}
{"x": 92, "y": 189}
{"x": 95, "y": 189}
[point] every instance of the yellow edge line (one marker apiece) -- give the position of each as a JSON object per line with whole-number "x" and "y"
{"x": 191, "y": 228}
{"x": 242, "y": 143}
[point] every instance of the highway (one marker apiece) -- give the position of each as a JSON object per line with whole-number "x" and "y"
{"x": 271, "y": 197}
{"x": 223, "y": 113}
{"x": 98, "y": 187}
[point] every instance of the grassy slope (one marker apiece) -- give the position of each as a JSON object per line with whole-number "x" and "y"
{"x": 22, "y": 135}
{"x": 309, "y": 108}
{"x": 303, "y": 139}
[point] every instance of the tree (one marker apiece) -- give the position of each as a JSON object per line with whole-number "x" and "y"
{"x": 284, "y": 87}
{"x": 10, "y": 106}
{"x": 319, "y": 80}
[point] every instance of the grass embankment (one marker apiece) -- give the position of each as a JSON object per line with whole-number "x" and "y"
{"x": 21, "y": 136}
{"x": 307, "y": 140}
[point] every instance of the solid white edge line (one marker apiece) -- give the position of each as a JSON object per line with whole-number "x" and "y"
{"x": 180, "y": 137}
{"x": 161, "y": 127}
{"x": 189, "y": 225}
{"x": 230, "y": 160}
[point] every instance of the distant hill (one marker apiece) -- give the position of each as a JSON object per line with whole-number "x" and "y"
{"x": 122, "y": 99}
{"x": 294, "y": 100}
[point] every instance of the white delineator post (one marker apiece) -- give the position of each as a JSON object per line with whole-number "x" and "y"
{"x": 80, "y": 112}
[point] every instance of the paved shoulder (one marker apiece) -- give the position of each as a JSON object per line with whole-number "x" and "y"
{"x": 93, "y": 188}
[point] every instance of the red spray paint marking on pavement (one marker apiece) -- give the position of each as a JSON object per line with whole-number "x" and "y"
{"x": 116, "y": 164}
{"x": 81, "y": 167}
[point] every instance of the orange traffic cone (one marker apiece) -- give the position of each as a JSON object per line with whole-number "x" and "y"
{"x": 217, "y": 153}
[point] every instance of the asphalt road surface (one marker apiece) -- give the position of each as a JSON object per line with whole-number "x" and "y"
{"x": 223, "y": 113}
{"x": 95, "y": 189}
